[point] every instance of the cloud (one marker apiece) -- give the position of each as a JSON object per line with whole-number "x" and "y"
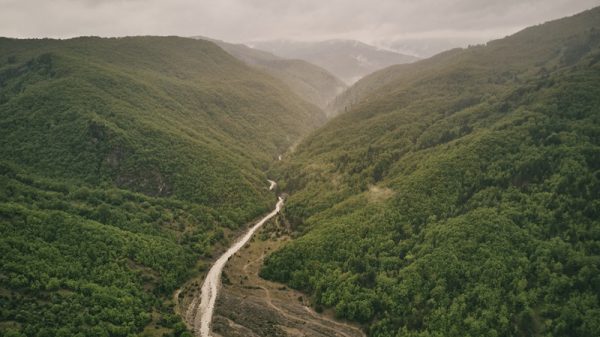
{"x": 243, "y": 20}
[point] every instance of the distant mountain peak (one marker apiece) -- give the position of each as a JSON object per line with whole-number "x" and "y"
{"x": 348, "y": 59}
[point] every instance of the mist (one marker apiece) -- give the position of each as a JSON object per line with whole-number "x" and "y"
{"x": 385, "y": 23}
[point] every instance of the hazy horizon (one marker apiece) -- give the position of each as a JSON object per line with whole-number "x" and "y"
{"x": 385, "y": 23}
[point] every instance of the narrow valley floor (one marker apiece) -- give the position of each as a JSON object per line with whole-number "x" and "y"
{"x": 249, "y": 306}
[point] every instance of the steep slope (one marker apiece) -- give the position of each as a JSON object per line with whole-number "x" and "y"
{"x": 349, "y": 60}
{"x": 312, "y": 83}
{"x": 460, "y": 196}
{"x": 163, "y": 120}
{"x": 425, "y": 47}
{"x": 123, "y": 161}
{"x": 534, "y": 49}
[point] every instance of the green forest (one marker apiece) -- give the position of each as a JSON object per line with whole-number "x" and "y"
{"x": 123, "y": 164}
{"x": 312, "y": 83}
{"x": 457, "y": 196}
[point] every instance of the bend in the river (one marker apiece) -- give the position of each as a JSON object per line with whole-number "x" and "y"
{"x": 210, "y": 288}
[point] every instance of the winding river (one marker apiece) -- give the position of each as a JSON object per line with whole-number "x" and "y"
{"x": 210, "y": 287}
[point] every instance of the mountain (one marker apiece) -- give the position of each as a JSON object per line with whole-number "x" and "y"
{"x": 123, "y": 161}
{"x": 313, "y": 84}
{"x": 459, "y": 195}
{"x": 349, "y": 60}
{"x": 425, "y": 47}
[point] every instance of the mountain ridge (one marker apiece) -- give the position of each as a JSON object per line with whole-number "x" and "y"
{"x": 379, "y": 80}
{"x": 349, "y": 60}
{"x": 314, "y": 84}
{"x": 124, "y": 164}
{"x": 445, "y": 201}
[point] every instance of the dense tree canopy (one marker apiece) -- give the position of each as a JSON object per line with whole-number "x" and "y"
{"x": 122, "y": 163}
{"x": 461, "y": 195}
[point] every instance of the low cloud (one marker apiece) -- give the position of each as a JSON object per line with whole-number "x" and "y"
{"x": 246, "y": 20}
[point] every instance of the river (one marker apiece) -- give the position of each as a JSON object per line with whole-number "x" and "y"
{"x": 212, "y": 282}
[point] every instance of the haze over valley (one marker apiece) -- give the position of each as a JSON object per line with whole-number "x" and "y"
{"x": 271, "y": 169}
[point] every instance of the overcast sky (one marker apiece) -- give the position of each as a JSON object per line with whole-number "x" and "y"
{"x": 245, "y": 20}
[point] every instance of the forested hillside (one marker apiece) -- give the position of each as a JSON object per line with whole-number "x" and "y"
{"x": 460, "y": 195}
{"x": 312, "y": 83}
{"x": 122, "y": 162}
{"x": 532, "y": 51}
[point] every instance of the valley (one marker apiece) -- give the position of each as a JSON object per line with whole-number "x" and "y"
{"x": 456, "y": 195}
{"x": 161, "y": 186}
{"x": 199, "y": 313}
{"x": 143, "y": 164}
{"x": 349, "y": 60}
{"x": 251, "y": 306}
{"x": 215, "y": 304}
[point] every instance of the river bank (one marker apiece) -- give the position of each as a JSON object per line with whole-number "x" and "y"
{"x": 197, "y": 309}
{"x": 231, "y": 300}
{"x": 249, "y": 306}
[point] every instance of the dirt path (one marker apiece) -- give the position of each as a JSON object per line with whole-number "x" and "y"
{"x": 200, "y": 312}
{"x": 308, "y": 310}
{"x": 334, "y": 330}
{"x": 252, "y": 306}
{"x": 339, "y": 324}
{"x": 247, "y": 305}
{"x": 259, "y": 259}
